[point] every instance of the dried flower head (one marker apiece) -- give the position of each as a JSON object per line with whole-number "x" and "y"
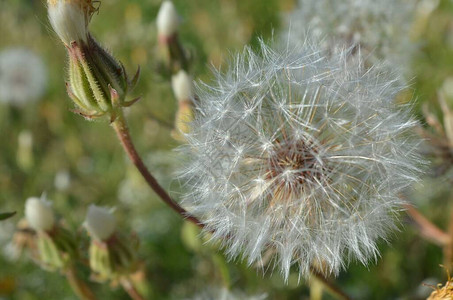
{"x": 443, "y": 292}
{"x": 380, "y": 28}
{"x": 299, "y": 152}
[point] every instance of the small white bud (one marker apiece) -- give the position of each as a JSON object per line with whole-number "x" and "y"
{"x": 167, "y": 19}
{"x": 182, "y": 86}
{"x": 39, "y": 214}
{"x": 100, "y": 222}
{"x": 70, "y": 18}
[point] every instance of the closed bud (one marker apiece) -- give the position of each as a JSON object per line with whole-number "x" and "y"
{"x": 167, "y": 20}
{"x": 182, "y": 86}
{"x": 100, "y": 223}
{"x": 39, "y": 214}
{"x": 113, "y": 258}
{"x": 56, "y": 249}
{"x": 56, "y": 246}
{"x": 111, "y": 254}
{"x": 98, "y": 83}
{"x": 70, "y": 18}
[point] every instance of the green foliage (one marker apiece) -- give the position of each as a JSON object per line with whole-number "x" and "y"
{"x": 4, "y": 216}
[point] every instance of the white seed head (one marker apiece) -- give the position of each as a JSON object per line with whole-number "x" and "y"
{"x": 167, "y": 20}
{"x": 100, "y": 222}
{"x": 217, "y": 293}
{"x": 70, "y": 19}
{"x": 300, "y": 153}
{"x": 182, "y": 86}
{"x": 381, "y": 28}
{"x": 39, "y": 213}
{"x": 23, "y": 76}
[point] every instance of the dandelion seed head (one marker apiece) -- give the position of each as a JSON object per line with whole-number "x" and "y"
{"x": 312, "y": 171}
{"x": 381, "y": 28}
{"x": 216, "y": 293}
{"x": 23, "y": 76}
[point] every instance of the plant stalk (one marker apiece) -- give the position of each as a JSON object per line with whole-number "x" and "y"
{"x": 123, "y": 134}
{"x": 129, "y": 287}
{"x": 329, "y": 286}
{"x": 427, "y": 229}
{"x": 79, "y": 287}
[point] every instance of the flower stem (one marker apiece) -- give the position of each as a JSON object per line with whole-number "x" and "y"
{"x": 130, "y": 289}
{"x": 79, "y": 287}
{"x": 448, "y": 247}
{"x": 427, "y": 229}
{"x": 123, "y": 134}
{"x": 334, "y": 290}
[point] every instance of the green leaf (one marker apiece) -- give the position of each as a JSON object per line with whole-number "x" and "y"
{"x": 4, "y": 216}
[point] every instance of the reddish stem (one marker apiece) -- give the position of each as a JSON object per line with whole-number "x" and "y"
{"x": 122, "y": 132}
{"x": 427, "y": 229}
{"x": 333, "y": 289}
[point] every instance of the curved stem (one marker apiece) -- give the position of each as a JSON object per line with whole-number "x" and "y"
{"x": 79, "y": 287}
{"x": 122, "y": 132}
{"x": 333, "y": 289}
{"x": 130, "y": 289}
{"x": 427, "y": 229}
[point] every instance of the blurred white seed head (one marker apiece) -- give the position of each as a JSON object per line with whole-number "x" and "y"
{"x": 217, "y": 293}
{"x": 62, "y": 180}
{"x": 167, "y": 20}
{"x": 182, "y": 86}
{"x": 23, "y": 76}
{"x": 100, "y": 223}
{"x": 381, "y": 28}
{"x": 70, "y": 19}
{"x": 301, "y": 152}
{"x": 39, "y": 213}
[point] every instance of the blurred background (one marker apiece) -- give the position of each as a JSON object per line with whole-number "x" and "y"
{"x": 46, "y": 148}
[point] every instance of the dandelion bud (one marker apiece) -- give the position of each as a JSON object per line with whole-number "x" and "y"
{"x": 111, "y": 254}
{"x": 172, "y": 56}
{"x": 301, "y": 154}
{"x": 167, "y": 21}
{"x": 182, "y": 86}
{"x": 98, "y": 83}
{"x": 100, "y": 223}
{"x": 39, "y": 213}
{"x": 70, "y": 18}
{"x": 56, "y": 246}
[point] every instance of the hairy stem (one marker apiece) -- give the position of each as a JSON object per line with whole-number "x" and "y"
{"x": 427, "y": 229}
{"x": 79, "y": 287}
{"x": 329, "y": 286}
{"x": 129, "y": 287}
{"x": 122, "y": 132}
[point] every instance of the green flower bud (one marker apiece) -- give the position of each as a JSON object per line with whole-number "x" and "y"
{"x": 57, "y": 249}
{"x": 98, "y": 83}
{"x": 113, "y": 258}
{"x": 111, "y": 254}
